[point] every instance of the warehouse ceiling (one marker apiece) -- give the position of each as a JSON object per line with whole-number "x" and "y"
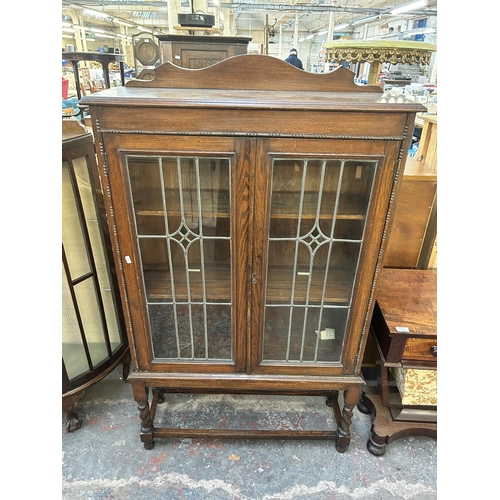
{"x": 304, "y": 17}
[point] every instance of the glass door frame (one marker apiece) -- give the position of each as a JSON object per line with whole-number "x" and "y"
{"x": 332, "y": 150}
{"x": 236, "y": 149}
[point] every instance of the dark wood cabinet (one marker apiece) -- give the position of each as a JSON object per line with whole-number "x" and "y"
{"x": 250, "y": 205}
{"x": 196, "y": 52}
{"x": 404, "y": 329}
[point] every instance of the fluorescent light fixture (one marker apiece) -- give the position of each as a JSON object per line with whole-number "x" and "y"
{"x": 409, "y": 6}
{"x": 96, "y": 13}
{"x": 301, "y": 39}
{"x": 67, "y": 25}
{"x": 341, "y": 26}
{"x": 90, "y": 39}
{"x": 84, "y": 28}
{"x": 69, "y": 36}
{"x": 100, "y": 35}
{"x": 123, "y": 23}
{"x": 96, "y": 30}
{"x": 364, "y": 20}
{"x": 321, "y": 33}
{"x": 68, "y": 30}
{"x": 144, "y": 29}
{"x": 308, "y": 37}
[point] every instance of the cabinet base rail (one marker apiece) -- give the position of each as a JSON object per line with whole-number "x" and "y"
{"x": 149, "y": 432}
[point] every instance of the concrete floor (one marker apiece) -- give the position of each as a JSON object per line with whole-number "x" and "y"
{"x": 105, "y": 460}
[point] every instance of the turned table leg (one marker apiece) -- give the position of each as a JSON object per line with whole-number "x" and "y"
{"x": 141, "y": 394}
{"x": 351, "y": 397}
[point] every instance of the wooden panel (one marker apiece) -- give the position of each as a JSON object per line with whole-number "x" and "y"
{"x": 197, "y": 59}
{"x": 427, "y": 149}
{"x": 414, "y": 207}
{"x": 254, "y": 70}
{"x": 404, "y": 322}
{"x": 419, "y": 350}
{"x": 196, "y": 52}
{"x": 408, "y": 299}
{"x": 294, "y": 123}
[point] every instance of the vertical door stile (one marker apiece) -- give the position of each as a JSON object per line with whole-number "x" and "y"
{"x": 260, "y": 228}
{"x": 242, "y": 206}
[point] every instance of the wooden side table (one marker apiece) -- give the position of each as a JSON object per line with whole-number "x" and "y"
{"x": 404, "y": 329}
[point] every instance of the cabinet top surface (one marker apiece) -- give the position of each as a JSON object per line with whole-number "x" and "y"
{"x": 251, "y": 81}
{"x": 408, "y": 301}
{"x": 204, "y": 39}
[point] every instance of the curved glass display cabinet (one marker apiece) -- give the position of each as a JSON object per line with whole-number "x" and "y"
{"x": 93, "y": 338}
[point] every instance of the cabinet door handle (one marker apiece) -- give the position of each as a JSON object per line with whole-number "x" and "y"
{"x": 434, "y": 350}
{"x": 254, "y": 278}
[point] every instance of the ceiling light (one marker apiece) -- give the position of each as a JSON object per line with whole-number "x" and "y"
{"x": 341, "y": 26}
{"x": 68, "y": 30}
{"x": 67, "y": 25}
{"x": 364, "y": 20}
{"x": 95, "y": 13}
{"x": 100, "y": 35}
{"x": 320, "y": 33}
{"x": 301, "y": 39}
{"x": 409, "y": 6}
{"x": 308, "y": 37}
{"x": 90, "y": 39}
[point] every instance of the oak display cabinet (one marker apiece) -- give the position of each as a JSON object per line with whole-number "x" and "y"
{"x": 250, "y": 203}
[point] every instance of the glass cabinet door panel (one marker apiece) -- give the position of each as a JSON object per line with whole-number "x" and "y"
{"x": 357, "y": 181}
{"x": 72, "y": 230}
{"x": 86, "y": 297}
{"x": 317, "y": 219}
{"x": 73, "y": 350}
{"x": 81, "y": 171}
{"x": 185, "y": 253}
{"x": 144, "y": 176}
{"x": 90, "y": 327}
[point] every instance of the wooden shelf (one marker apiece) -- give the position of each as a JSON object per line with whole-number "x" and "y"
{"x": 284, "y": 206}
{"x": 158, "y": 286}
{"x": 282, "y": 203}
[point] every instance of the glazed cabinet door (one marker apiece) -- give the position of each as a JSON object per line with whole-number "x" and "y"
{"x": 187, "y": 239}
{"x": 319, "y": 206}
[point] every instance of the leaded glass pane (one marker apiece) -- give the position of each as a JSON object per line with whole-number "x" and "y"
{"x": 316, "y": 227}
{"x": 184, "y": 237}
